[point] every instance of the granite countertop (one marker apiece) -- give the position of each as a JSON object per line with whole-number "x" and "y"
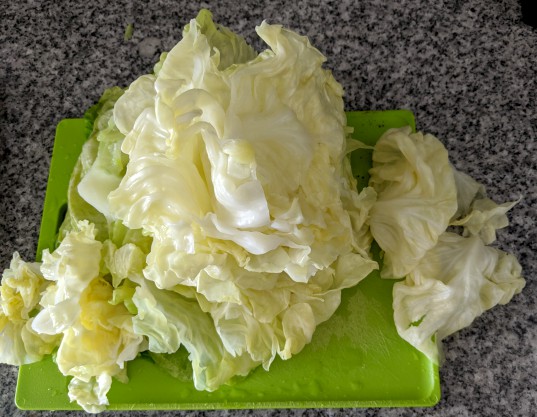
{"x": 467, "y": 69}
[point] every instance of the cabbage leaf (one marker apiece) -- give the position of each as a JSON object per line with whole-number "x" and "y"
{"x": 478, "y": 214}
{"x": 20, "y": 293}
{"x": 454, "y": 283}
{"x": 416, "y": 197}
{"x": 97, "y": 337}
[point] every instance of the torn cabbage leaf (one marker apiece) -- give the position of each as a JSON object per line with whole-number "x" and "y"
{"x": 170, "y": 320}
{"x": 485, "y": 218}
{"x": 449, "y": 279}
{"x": 97, "y": 337}
{"x": 20, "y": 293}
{"x": 454, "y": 283}
{"x": 416, "y": 197}
{"x": 97, "y": 346}
{"x": 478, "y": 214}
{"x": 468, "y": 190}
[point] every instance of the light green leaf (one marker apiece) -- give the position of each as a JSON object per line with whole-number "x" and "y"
{"x": 454, "y": 283}
{"x": 416, "y": 200}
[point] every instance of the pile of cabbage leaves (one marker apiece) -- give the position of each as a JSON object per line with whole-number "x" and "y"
{"x": 213, "y": 208}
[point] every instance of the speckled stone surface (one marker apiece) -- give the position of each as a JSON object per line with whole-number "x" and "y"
{"x": 467, "y": 69}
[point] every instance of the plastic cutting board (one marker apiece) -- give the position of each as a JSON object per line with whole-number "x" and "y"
{"x": 356, "y": 359}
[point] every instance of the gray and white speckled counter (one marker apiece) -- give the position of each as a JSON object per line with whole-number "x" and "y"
{"x": 468, "y": 70}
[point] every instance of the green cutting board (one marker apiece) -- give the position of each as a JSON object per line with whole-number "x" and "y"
{"x": 356, "y": 359}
